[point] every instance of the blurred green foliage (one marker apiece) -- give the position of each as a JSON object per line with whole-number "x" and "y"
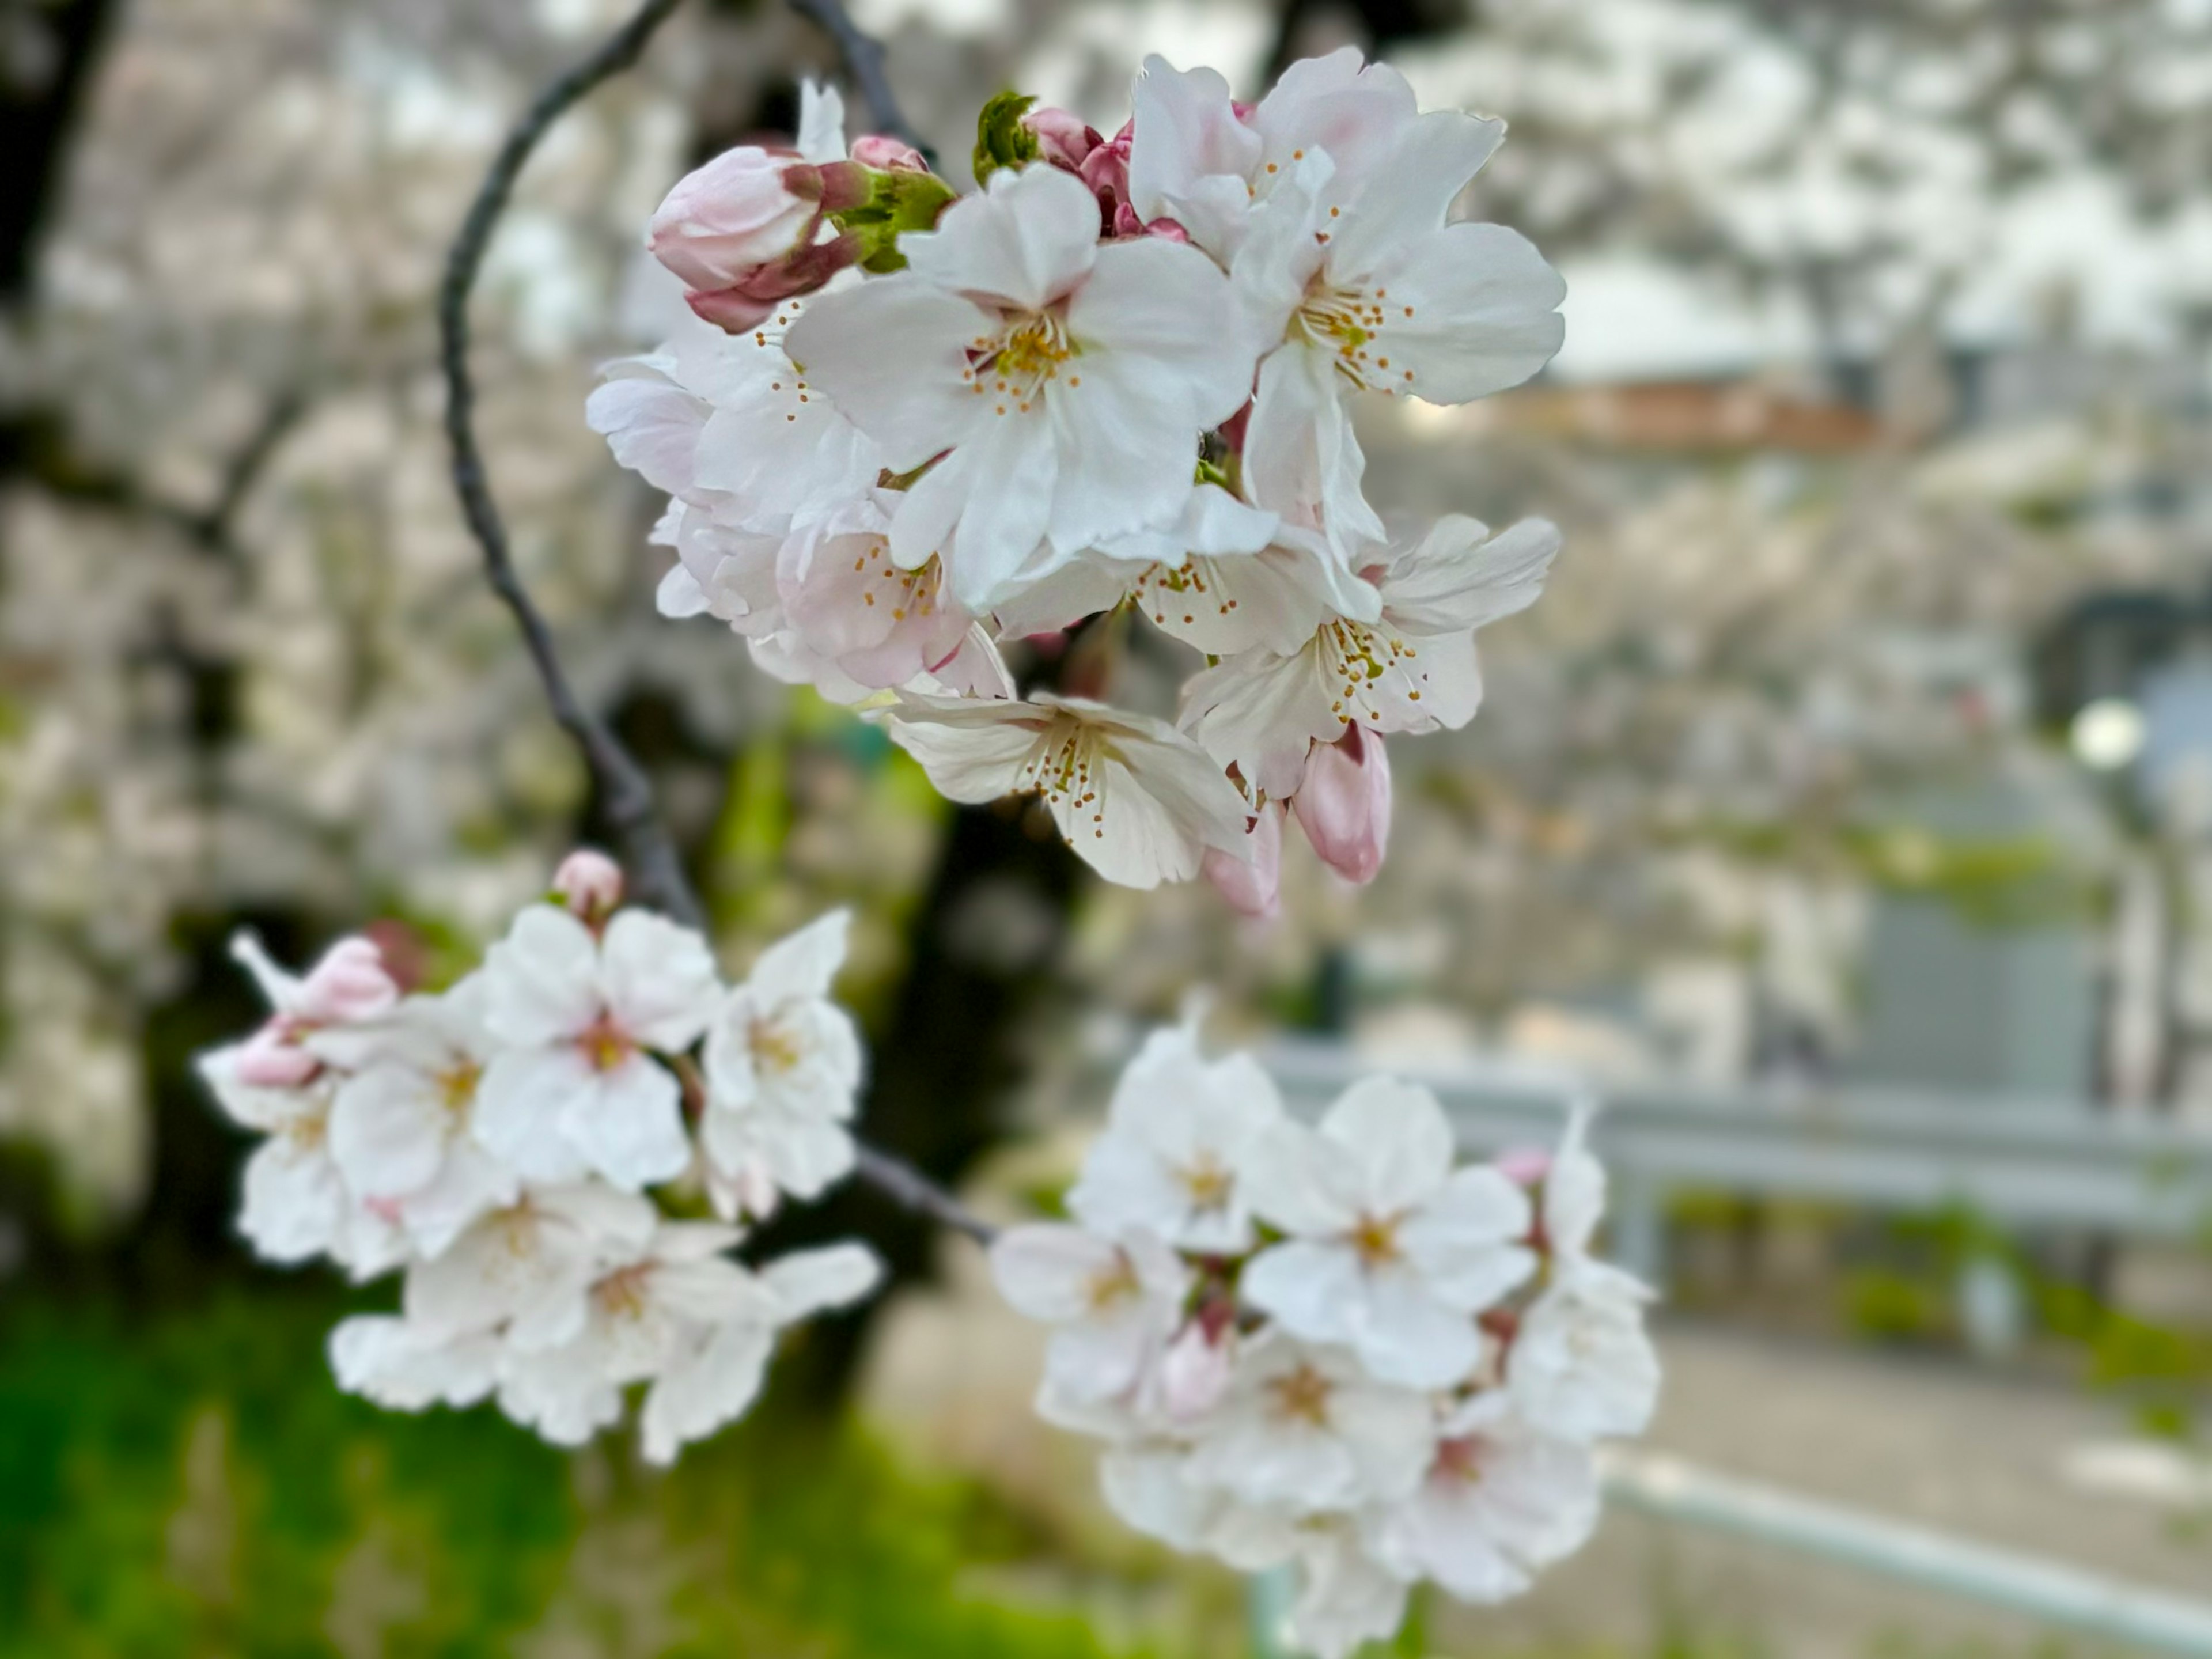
{"x": 194, "y": 1484}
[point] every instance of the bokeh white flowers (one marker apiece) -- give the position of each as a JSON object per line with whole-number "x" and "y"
{"x": 908, "y": 427}
{"x": 499, "y": 1143}
{"x": 1327, "y": 1346}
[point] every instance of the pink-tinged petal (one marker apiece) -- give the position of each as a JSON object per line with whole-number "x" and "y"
{"x": 1343, "y": 804}
{"x": 1251, "y": 886}
{"x": 1358, "y": 113}
{"x": 1023, "y": 241}
{"x": 890, "y": 353}
{"x": 1263, "y": 715}
{"x": 1189, "y": 154}
{"x": 1049, "y": 603}
{"x": 541, "y": 980}
{"x": 630, "y": 1128}
{"x": 1397, "y": 1140}
{"x": 1300, "y": 447}
{"x": 589, "y": 882}
{"x": 1485, "y": 312}
{"x": 726, "y": 218}
{"x": 1170, "y": 306}
{"x": 660, "y": 982}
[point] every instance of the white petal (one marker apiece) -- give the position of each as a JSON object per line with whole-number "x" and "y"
{"x": 1408, "y": 1337}
{"x": 1048, "y": 1270}
{"x": 541, "y": 982}
{"x": 660, "y": 979}
{"x": 1315, "y": 1290}
{"x": 389, "y": 1130}
{"x": 808, "y": 1282}
{"x": 522, "y": 1099}
{"x": 802, "y": 964}
{"x": 1396, "y": 1137}
{"x": 1023, "y": 241}
{"x": 1302, "y": 1182}
{"x": 1461, "y": 577}
{"x": 1486, "y": 312}
{"x": 890, "y": 354}
{"x": 629, "y": 1126}
{"x": 1167, "y": 305}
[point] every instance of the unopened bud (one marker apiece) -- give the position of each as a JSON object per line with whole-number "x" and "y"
{"x": 350, "y": 983}
{"x": 1062, "y": 139}
{"x": 1524, "y": 1166}
{"x": 1251, "y": 886}
{"x": 888, "y": 155}
{"x": 736, "y": 213}
{"x": 269, "y": 1059}
{"x": 1343, "y": 804}
{"x": 1195, "y": 1371}
{"x": 589, "y": 884}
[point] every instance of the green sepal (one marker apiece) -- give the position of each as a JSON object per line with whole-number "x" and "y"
{"x": 897, "y": 201}
{"x": 1001, "y": 140}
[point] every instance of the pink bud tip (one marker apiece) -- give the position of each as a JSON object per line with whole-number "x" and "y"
{"x": 888, "y": 155}
{"x": 1195, "y": 1371}
{"x": 1251, "y": 886}
{"x": 350, "y": 983}
{"x": 1343, "y": 804}
{"x": 739, "y": 212}
{"x": 269, "y": 1060}
{"x": 1062, "y": 139}
{"x": 590, "y": 883}
{"x": 1524, "y": 1166}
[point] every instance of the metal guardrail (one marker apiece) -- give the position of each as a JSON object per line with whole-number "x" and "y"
{"x": 2051, "y": 1592}
{"x": 2017, "y": 1162}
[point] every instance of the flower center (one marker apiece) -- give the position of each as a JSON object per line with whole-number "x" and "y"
{"x": 1013, "y": 369}
{"x": 621, "y": 1294}
{"x": 1354, "y": 656}
{"x": 1461, "y": 1460}
{"x": 307, "y": 1131}
{"x": 776, "y": 1046}
{"x": 1302, "y": 1394}
{"x": 1115, "y": 1284}
{"x": 1376, "y": 1239}
{"x": 1167, "y": 591}
{"x": 457, "y": 1087}
{"x": 1062, "y": 769}
{"x": 1350, "y": 323}
{"x": 903, "y": 593}
{"x": 788, "y": 381}
{"x": 603, "y": 1044}
{"x": 1206, "y": 1182}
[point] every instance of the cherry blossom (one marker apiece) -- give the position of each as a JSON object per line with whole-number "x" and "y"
{"x": 783, "y": 1064}
{"x": 1138, "y": 801}
{"x": 1063, "y": 383}
{"x": 573, "y": 1087}
{"x": 1112, "y": 1302}
{"x": 1390, "y": 1252}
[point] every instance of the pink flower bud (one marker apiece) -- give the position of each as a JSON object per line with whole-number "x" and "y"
{"x": 269, "y": 1059}
{"x": 1106, "y": 169}
{"x": 1170, "y": 230}
{"x": 888, "y": 155}
{"x": 1343, "y": 804}
{"x": 1062, "y": 139}
{"x": 1195, "y": 1369}
{"x": 739, "y": 212}
{"x": 741, "y": 305}
{"x": 590, "y": 883}
{"x": 1524, "y": 1166}
{"x": 1251, "y": 889}
{"x": 348, "y": 984}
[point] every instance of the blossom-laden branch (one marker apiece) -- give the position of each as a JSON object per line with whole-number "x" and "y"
{"x": 656, "y": 871}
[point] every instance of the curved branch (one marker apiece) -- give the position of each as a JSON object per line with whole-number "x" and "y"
{"x": 656, "y": 874}
{"x": 626, "y": 796}
{"x": 863, "y": 57}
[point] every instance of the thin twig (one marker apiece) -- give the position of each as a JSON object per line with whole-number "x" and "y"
{"x": 906, "y": 1186}
{"x": 626, "y": 795}
{"x": 656, "y": 872}
{"x": 864, "y": 59}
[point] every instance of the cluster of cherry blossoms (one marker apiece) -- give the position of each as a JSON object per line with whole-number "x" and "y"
{"x": 1327, "y": 1346}
{"x": 503, "y": 1143}
{"x": 906, "y": 426}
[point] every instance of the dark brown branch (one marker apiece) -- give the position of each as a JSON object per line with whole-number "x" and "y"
{"x": 864, "y": 59}
{"x": 656, "y": 874}
{"x": 626, "y": 796}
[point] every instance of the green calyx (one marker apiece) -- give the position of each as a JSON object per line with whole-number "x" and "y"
{"x": 1001, "y": 140}
{"x": 893, "y": 202}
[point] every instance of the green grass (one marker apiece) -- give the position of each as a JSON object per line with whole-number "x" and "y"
{"x": 194, "y": 1484}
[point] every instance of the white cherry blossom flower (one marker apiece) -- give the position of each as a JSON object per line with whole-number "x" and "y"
{"x": 390, "y": 1361}
{"x": 1501, "y": 1502}
{"x": 1055, "y": 388}
{"x": 1179, "y": 1134}
{"x": 1413, "y": 670}
{"x": 1391, "y": 1253}
{"x": 783, "y": 1065}
{"x": 1307, "y": 1428}
{"x": 524, "y": 1269}
{"x": 296, "y": 1204}
{"x": 1345, "y": 1596}
{"x": 717, "y": 1374}
{"x": 1137, "y": 800}
{"x": 1581, "y": 1364}
{"x": 573, "y": 1088}
{"x": 401, "y": 1121}
{"x": 1112, "y": 1302}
